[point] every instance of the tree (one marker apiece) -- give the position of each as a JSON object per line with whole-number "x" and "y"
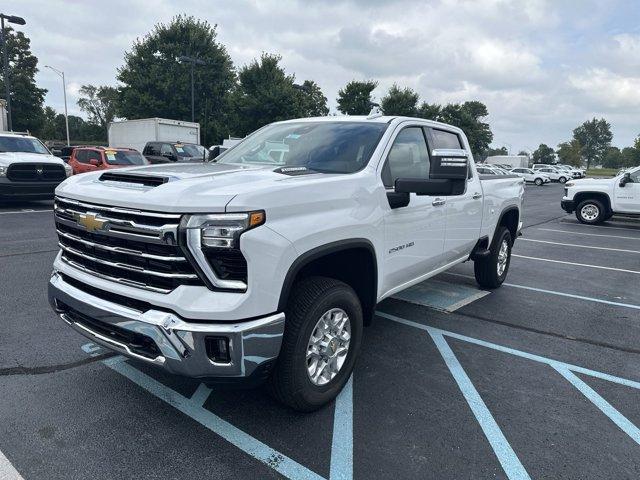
{"x": 355, "y": 97}
{"x": 400, "y": 102}
{"x": 26, "y": 97}
{"x": 630, "y": 157}
{"x": 595, "y": 137}
{"x": 313, "y": 103}
{"x": 497, "y": 151}
{"x": 570, "y": 153}
{"x": 468, "y": 116}
{"x": 429, "y": 111}
{"x": 264, "y": 94}
{"x": 155, "y": 84}
{"x": 99, "y": 103}
{"x": 544, "y": 154}
{"x": 613, "y": 158}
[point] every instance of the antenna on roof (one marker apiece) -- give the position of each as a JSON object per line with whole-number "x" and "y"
{"x": 375, "y": 111}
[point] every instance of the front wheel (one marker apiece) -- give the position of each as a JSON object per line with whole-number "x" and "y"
{"x": 562, "y": 180}
{"x": 590, "y": 212}
{"x": 323, "y": 332}
{"x": 492, "y": 270}
{"x": 538, "y": 181}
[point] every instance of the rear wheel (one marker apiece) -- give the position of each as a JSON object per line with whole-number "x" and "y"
{"x": 590, "y": 212}
{"x": 321, "y": 342}
{"x": 492, "y": 270}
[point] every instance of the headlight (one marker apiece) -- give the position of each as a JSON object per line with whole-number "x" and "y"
{"x": 569, "y": 184}
{"x": 223, "y": 230}
{"x": 214, "y": 242}
{"x": 3, "y": 171}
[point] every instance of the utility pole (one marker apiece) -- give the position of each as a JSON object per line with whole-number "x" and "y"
{"x": 193, "y": 61}
{"x": 64, "y": 90}
{"x": 5, "y": 63}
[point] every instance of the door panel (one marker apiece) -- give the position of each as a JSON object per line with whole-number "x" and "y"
{"x": 627, "y": 198}
{"x": 414, "y": 235}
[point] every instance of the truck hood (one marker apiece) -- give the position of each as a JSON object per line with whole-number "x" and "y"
{"x": 592, "y": 182}
{"x": 187, "y": 187}
{"x": 7, "y": 158}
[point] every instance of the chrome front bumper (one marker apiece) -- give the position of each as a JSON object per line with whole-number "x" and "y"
{"x": 179, "y": 345}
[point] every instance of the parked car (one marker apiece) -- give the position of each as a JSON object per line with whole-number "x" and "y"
{"x": 490, "y": 170}
{"x": 166, "y": 152}
{"x": 597, "y": 200}
{"x": 28, "y": 170}
{"x": 533, "y": 176}
{"x": 512, "y": 161}
{"x": 553, "y": 173}
{"x": 258, "y": 267}
{"x": 90, "y": 159}
{"x": 575, "y": 172}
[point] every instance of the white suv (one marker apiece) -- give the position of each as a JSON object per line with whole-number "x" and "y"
{"x": 553, "y": 173}
{"x": 533, "y": 176}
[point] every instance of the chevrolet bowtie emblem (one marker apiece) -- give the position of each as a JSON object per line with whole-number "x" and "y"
{"x": 90, "y": 222}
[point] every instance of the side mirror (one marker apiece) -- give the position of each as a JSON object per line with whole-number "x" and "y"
{"x": 449, "y": 164}
{"x": 626, "y": 178}
{"x": 94, "y": 162}
{"x": 425, "y": 186}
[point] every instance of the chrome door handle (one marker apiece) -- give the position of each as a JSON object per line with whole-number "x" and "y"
{"x": 439, "y": 202}
{"x": 477, "y": 196}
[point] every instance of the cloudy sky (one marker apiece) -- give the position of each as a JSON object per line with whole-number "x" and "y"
{"x": 542, "y": 67}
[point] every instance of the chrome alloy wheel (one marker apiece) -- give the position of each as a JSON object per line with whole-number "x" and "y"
{"x": 503, "y": 256}
{"x": 328, "y": 346}
{"x": 590, "y": 212}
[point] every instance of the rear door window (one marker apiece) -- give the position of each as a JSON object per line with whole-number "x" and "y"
{"x": 445, "y": 139}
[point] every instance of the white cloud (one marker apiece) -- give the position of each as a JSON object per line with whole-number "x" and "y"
{"x": 541, "y": 66}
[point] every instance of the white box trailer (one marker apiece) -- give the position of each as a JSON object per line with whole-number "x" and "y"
{"x": 136, "y": 133}
{"x": 516, "y": 161}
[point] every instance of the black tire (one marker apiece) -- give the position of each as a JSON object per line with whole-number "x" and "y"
{"x": 562, "y": 179}
{"x": 311, "y": 298}
{"x": 538, "y": 181}
{"x": 486, "y": 269}
{"x": 597, "y": 209}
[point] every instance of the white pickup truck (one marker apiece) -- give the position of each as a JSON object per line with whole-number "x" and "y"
{"x": 597, "y": 200}
{"x": 28, "y": 170}
{"x": 266, "y": 264}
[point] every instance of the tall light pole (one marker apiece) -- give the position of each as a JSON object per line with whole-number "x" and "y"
{"x": 64, "y": 91}
{"x": 5, "y": 63}
{"x": 193, "y": 61}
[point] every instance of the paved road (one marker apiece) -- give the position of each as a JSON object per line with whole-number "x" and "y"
{"x": 533, "y": 380}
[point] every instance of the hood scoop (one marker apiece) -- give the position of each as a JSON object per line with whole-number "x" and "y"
{"x": 144, "y": 180}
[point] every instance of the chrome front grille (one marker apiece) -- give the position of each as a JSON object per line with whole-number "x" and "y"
{"x": 127, "y": 246}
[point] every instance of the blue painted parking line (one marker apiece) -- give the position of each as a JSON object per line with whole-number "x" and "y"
{"x": 342, "y": 443}
{"x": 440, "y": 295}
{"x": 567, "y": 370}
{"x": 194, "y": 409}
{"x": 341, "y": 467}
{"x": 502, "y": 448}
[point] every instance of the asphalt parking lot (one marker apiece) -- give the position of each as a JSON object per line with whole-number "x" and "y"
{"x": 538, "y": 379}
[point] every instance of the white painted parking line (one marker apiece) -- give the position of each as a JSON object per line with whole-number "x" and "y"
{"x": 26, "y": 210}
{"x": 342, "y": 444}
{"x": 599, "y": 227}
{"x": 578, "y": 246}
{"x": 553, "y": 292}
{"x": 587, "y": 265}
{"x": 7, "y": 471}
{"x": 585, "y": 233}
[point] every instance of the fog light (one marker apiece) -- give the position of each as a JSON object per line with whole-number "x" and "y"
{"x": 218, "y": 349}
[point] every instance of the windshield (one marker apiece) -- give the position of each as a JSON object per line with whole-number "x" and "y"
{"x": 123, "y": 157}
{"x": 330, "y": 147}
{"x": 190, "y": 150}
{"x": 22, "y": 144}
